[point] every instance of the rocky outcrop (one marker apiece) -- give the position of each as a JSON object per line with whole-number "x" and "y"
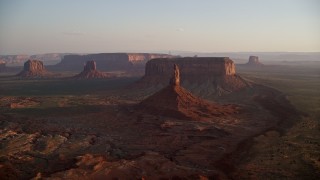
{"x": 108, "y": 61}
{"x": 34, "y": 69}
{"x": 175, "y": 101}
{"x": 254, "y": 61}
{"x": 90, "y": 72}
{"x": 204, "y": 76}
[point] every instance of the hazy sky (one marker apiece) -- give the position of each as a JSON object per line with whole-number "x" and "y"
{"x": 40, "y": 26}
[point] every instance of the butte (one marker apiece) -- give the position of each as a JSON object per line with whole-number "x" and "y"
{"x": 175, "y": 101}
{"x": 90, "y": 72}
{"x": 34, "y": 69}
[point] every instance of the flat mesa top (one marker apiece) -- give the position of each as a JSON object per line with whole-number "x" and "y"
{"x": 193, "y": 59}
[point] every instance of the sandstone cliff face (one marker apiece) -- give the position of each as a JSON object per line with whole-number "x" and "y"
{"x": 254, "y": 61}
{"x": 33, "y": 68}
{"x": 144, "y": 57}
{"x": 90, "y": 72}
{"x": 175, "y": 80}
{"x": 107, "y": 61}
{"x": 203, "y": 76}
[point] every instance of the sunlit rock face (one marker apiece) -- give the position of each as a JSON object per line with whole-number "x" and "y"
{"x": 33, "y": 68}
{"x": 175, "y": 80}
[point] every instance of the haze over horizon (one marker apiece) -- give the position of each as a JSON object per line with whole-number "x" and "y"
{"x": 35, "y": 26}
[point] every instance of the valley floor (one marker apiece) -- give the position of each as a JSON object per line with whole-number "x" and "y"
{"x": 50, "y": 130}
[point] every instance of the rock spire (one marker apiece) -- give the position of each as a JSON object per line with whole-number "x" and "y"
{"x": 90, "y": 72}
{"x": 175, "y": 80}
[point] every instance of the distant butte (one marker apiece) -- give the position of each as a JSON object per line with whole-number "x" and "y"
{"x": 175, "y": 101}
{"x": 254, "y": 61}
{"x": 34, "y": 69}
{"x": 90, "y": 72}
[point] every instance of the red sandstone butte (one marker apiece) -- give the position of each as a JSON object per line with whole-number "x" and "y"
{"x": 254, "y": 61}
{"x": 90, "y": 72}
{"x": 34, "y": 69}
{"x": 208, "y": 75}
{"x": 175, "y": 101}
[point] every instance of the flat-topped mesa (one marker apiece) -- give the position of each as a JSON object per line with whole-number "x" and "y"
{"x": 212, "y": 66}
{"x": 175, "y": 80}
{"x": 90, "y": 72}
{"x": 254, "y": 61}
{"x": 204, "y": 76}
{"x": 33, "y": 68}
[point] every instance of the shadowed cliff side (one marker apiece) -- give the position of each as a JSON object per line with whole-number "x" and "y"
{"x": 175, "y": 101}
{"x": 205, "y": 77}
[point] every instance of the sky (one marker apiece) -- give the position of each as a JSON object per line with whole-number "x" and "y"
{"x": 95, "y": 26}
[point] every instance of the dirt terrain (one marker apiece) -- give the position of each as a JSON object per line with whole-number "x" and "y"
{"x": 108, "y": 134}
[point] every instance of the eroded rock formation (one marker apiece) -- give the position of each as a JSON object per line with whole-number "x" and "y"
{"x": 254, "y": 61}
{"x": 90, "y": 72}
{"x": 175, "y": 101}
{"x": 175, "y": 80}
{"x": 204, "y": 76}
{"x": 34, "y": 68}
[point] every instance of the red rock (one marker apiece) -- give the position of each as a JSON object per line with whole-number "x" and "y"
{"x": 175, "y": 101}
{"x": 90, "y": 72}
{"x": 33, "y": 68}
{"x": 209, "y": 75}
